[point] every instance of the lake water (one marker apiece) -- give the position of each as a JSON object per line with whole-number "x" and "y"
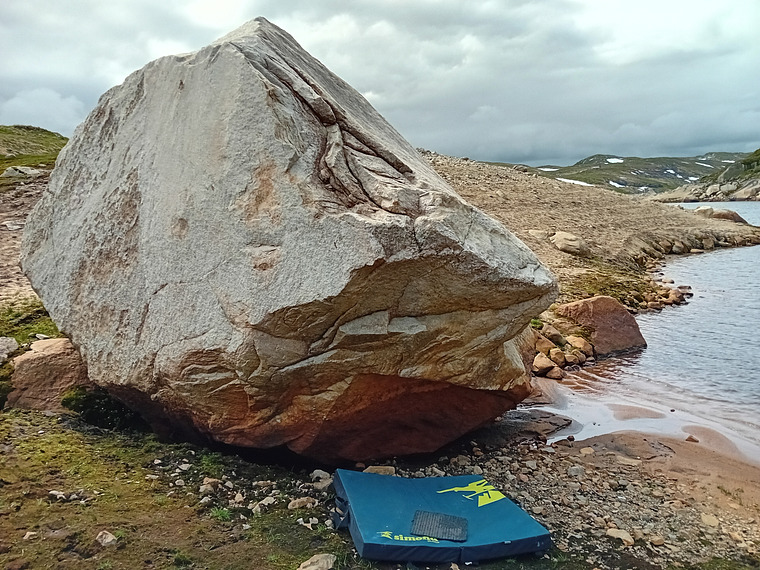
{"x": 702, "y": 363}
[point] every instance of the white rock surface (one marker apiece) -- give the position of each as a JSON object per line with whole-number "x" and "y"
{"x": 243, "y": 248}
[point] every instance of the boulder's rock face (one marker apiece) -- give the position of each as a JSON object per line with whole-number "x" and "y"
{"x": 613, "y": 329}
{"x": 42, "y": 375}
{"x": 243, "y": 248}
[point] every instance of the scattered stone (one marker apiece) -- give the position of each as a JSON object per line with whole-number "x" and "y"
{"x": 621, "y": 534}
{"x": 541, "y": 234}
{"x": 323, "y": 484}
{"x": 576, "y": 471}
{"x": 656, "y": 540}
{"x": 581, "y": 344}
{"x": 30, "y": 535}
{"x": 710, "y": 520}
{"x": 558, "y": 357}
{"x": 319, "y": 475}
{"x": 7, "y": 346}
{"x": 570, "y": 243}
{"x": 692, "y": 439}
{"x": 587, "y": 451}
{"x": 542, "y": 364}
{"x": 106, "y": 539}
{"x": 302, "y": 503}
{"x": 308, "y": 524}
{"x": 556, "y": 373}
{"x": 544, "y": 345}
{"x": 180, "y": 482}
{"x": 553, "y": 335}
{"x": 319, "y": 562}
{"x": 623, "y": 460}
{"x": 57, "y": 496}
{"x": 381, "y": 469}
{"x": 21, "y": 172}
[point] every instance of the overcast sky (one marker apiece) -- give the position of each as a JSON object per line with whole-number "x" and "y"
{"x": 533, "y": 81}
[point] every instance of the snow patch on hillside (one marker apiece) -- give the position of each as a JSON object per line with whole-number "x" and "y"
{"x": 578, "y": 182}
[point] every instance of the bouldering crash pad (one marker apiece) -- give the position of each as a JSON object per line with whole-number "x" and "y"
{"x": 433, "y": 519}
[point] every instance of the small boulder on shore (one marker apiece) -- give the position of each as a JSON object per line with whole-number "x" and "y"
{"x": 613, "y": 329}
{"x": 42, "y": 375}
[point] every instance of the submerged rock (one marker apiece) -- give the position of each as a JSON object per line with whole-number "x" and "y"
{"x": 244, "y": 250}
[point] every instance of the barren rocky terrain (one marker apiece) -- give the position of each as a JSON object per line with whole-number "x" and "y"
{"x": 619, "y": 501}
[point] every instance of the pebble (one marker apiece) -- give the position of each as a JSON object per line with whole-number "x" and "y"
{"x": 381, "y": 469}
{"x": 106, "y": 539}
{"x": 710, "y": 520}
{"x": 302, "y": 503}
{"x": 319, "y": 562}
{"x": 621, "y": 534}
{"x": 576, "y": 471}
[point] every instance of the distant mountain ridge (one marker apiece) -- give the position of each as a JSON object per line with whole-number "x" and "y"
{"x": 635, "y": 175}
{"x": 736, "y": 182}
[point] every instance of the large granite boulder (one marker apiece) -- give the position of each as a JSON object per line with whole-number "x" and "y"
{"x": 244, "y": 250}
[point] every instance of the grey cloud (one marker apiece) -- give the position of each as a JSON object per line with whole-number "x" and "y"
{"x": 520, "y": 81}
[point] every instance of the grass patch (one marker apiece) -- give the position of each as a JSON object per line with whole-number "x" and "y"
{"x": 220, "y": 514}
{"x": 26, "y": 318}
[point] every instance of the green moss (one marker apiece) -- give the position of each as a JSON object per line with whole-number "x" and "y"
{"x": 97, "y": 407}
{"x": 211, "y": 464}
{"x": 25, "y": 318}
{"x": 182, "y": 560}
{"x": 625, "y": 286}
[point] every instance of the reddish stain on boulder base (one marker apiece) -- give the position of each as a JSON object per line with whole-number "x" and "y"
{"x": 402, "y": 416}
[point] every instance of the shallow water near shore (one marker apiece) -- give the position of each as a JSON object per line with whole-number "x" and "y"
{"x": 701, "y": 368}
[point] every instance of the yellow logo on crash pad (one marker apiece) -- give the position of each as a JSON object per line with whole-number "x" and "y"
{"x": 483, "y": 490}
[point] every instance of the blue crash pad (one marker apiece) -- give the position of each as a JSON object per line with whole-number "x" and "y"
{"x": 379, "y": 511}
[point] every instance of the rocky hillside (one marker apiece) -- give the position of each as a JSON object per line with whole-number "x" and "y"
{"x": 26, "y": 152}
{"x": 634, "y": 175}
{"x": 739, "y": 180}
